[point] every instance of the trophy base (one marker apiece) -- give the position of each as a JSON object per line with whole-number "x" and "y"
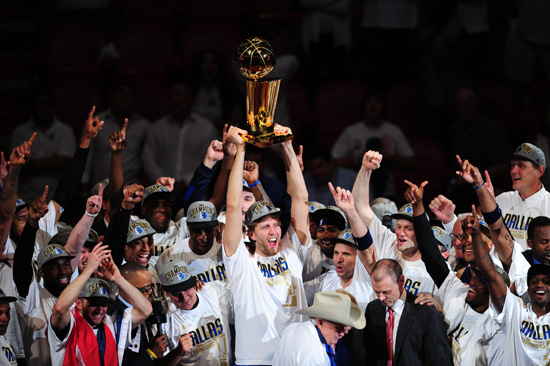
{"x": 268, "y": 139}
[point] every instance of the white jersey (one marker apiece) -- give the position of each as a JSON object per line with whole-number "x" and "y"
{"x": 301, "y": 345}
{"x": 476, "y": 339}
{"x": 8, "y": 357}
{"x": 59, "y": 346}
{"x": 360, "y": 287}
{"x": 267, "y": 292}
{"x": 208, "y": 325}
{"x": 518, "y": 270}
{"x": 527, "y": 336}
{"x": 13, "y": 333}
{"x": 518, "y": 213}
{"x": 316, "y": 263}
{"x": 34, "y": 313}
{"x": 417, "y": 279}
{"x": 207, "y": 267}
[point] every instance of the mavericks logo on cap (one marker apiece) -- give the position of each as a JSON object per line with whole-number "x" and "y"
{"x": 52, "y": 250}
{"x": 525, "y": 148}
{"x": 260, "y": 206}
{"x": 176, "y": 272}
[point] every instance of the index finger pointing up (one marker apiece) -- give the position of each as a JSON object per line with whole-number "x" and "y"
{"x": 124, "y": 127}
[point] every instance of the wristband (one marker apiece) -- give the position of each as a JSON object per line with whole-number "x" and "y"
{"x": 481, "y": 185}
{"x": 254, "y": 184}
{"x": 89, "y": 214}
{"x": 364, "y": 242}
{"x": 151, "y": 353}
{"x": 493, "y": 216}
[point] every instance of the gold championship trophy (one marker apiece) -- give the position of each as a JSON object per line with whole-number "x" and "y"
{"x": 255, "y": 60}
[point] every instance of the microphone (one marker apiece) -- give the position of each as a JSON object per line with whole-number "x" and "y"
{"x": 158, "y": 316}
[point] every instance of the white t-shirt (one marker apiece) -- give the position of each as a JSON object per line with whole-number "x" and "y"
{"x": 47, "y": 228}
{"x": 300, "y": 345}
{"x": 316, "y": 263}
{"x": 13, "y": 333}
{"x": 267, "y": 292}
{"x": 207, "y": 267}
{"x": 59, "y": 346}
{"x": 417, "y": 278}
{"x": 476, "y": 339}
{"x": 527, "y": 336}
{"x": 34, "y": 313}
{"x": 360, "y": 287}
{"x": 517, "y": 213}
{"x": 518, "y": 269}
{"x": 208, "y": 324}
{"x": 8, "y": 357}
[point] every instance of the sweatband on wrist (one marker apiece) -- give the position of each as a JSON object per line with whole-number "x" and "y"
{"x": 254, "y": 184}
{"x": 364, "y": 242}
{"x": 151, "y": 353}
{"x": 493, "y": 216}
{"x": 91, "y": 215}
{"x": 481, "y": 185}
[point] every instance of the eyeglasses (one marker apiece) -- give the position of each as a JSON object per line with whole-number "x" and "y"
{"x": 338, "y": 328}
{"x": 207, "y": 231}
{"x": 146, "y": 289}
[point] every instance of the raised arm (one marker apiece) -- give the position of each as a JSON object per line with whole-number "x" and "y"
{"x": 497, "y": 286}
{"x": 296, "y": 188}
{"x": 8, "y": 199}
{"x": 141, "y": 306}
{"x": 61, "y": 317}
{"x": 233, "y": 222}
{"x": 504, "y": 244}
{"x": 78, "y": 236}
{"x": 361, "y": 187}
{"x": 69, "y": 182}
{"x": 220, "y": 188}
{"x": 366, "y": 251}
{"x": 427, "y": 243}
{"x": 118, "y": 143}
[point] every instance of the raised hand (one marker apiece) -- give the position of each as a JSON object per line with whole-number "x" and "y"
{"x": 97, "y": 255}
{"x": 214, "y": 153}
{"x": 38, "y": 208}
{"x": 133, "y": 194}
{"x": 167, "y": 182}
{"x": 443, "y": 208}
{"x": 251, "y": 172}
{"x": 343, "y": 198}
{"x": 414, "y": 193}
{"x": 229, "y": 148}
{"x": 117, "y": 140}
{"x": 109, "y": 268}
{"x": 471, "y": 222}
{"x": 22, "y": 153}
{"x": 281, "y": 130}
{"x": 91, "y": 127}
{"x": 300, "y": 157}
{"x": 93, "y": 205}
{"x": 372, "y": 160}
{"x": 236, "y": 136}
{"x": 469, "y": 172}
{"x": 489, "y": 184}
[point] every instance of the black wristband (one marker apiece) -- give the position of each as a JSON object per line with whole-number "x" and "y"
{"x": 364, "y": 242}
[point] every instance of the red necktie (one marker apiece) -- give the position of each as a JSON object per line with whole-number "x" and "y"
{"x": 389, "y": 336}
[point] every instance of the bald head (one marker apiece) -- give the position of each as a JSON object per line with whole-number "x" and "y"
{"x": 387, "y": 268}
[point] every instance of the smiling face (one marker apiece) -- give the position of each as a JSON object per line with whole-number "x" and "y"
{"x": 93, "y": 310}
{"x": 4, "y": 316}
{"x": 466, "y": 244}
{"x": 267, "y": 235}
{"x": 525, "y": 176}
{"x": 184, "y": 300}
{"x": 139, "y": 251}
{"x": 539, "y": 290}
{"x": 84, "y": 255}
{"x": 158, "y": 212}
{"x": 201, "y": 240}
{"x": 344, "y": 260}
{"x": 56, "y": 274}
{"x": 406, "y": 238}
{"x": 478, "y": 294}
{"x": 324, "y": 234}
{"x": 541, "y": 244}
{"x": 143, "y": 281}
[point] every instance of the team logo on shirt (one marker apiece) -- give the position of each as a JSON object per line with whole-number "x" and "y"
{"x": 518, "y": 224}
{"x": 278, "y": 273}
{"x": 535, "y": 332}
{"x": 10, "y": 354}
{"x": 209, "y": 336}
{"x": 212, "y": 274}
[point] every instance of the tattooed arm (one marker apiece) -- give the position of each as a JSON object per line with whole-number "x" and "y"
{"x": 497, "y": 286}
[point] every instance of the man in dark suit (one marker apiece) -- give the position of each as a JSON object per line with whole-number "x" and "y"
{"x": 415, "y": 334}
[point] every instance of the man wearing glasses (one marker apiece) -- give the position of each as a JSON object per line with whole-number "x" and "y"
{"x": 201, "y": 250}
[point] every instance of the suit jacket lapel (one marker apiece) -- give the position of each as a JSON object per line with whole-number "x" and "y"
{"x": 407, "y": 319}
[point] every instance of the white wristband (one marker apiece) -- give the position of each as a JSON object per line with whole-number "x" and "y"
{"x": 89, "y": 214}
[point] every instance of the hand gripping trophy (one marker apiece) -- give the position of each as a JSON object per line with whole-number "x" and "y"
{"x": 255, "y": 60}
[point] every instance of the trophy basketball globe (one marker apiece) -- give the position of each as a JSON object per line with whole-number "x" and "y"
{"x": 255, "y": 60}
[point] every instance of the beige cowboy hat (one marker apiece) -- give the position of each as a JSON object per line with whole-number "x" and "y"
{"x": 335, "y": 307}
